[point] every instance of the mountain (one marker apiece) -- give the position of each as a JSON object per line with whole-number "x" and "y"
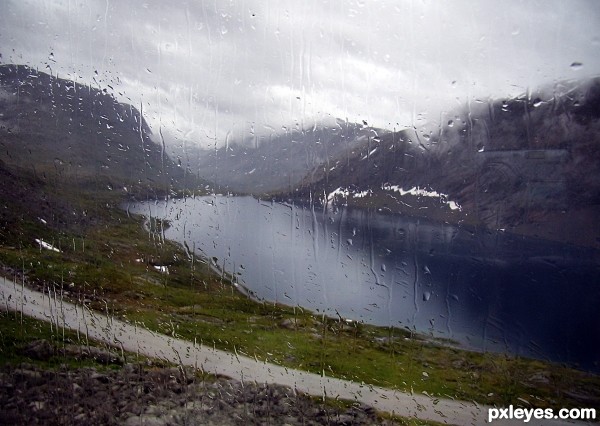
{"x": 69, "y": 153}
{"x": 279, "y": 162}
{"x": 60, "y": 129}
{"x": 508, "y": 163}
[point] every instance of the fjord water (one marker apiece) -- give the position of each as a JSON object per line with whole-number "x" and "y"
{"x": 487, "y": 290}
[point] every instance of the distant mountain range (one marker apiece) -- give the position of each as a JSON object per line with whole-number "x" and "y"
{"x": 527, "y": 161}
{"x": 279, "y": 162}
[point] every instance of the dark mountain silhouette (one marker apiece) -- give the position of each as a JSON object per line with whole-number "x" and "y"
{"x": 59, "y": 129}
{"x": 507, "y": 163}
{"x": 278, "y": 162}
{"x": 63, "y": 144}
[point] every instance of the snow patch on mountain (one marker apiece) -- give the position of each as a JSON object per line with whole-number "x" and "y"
{"x": 415, "y": 191}
{"x": 421, "y": 192}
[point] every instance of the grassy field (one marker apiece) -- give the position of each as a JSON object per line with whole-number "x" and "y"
{"x": 110, "y": 263}
{"x": 18, "y": 332}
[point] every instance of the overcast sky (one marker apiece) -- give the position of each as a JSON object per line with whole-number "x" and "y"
{"x": 206, "y": 69}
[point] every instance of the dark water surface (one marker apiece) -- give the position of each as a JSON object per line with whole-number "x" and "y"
{"x": 487, "y": 290}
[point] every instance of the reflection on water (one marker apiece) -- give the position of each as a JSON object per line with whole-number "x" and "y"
{"x": 487, "y": 290}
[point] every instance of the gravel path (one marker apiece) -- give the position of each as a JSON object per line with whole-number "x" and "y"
{"x": 135, "y": 339}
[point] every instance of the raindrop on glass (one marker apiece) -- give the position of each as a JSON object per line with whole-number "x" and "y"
{"x": 576, "y": 66}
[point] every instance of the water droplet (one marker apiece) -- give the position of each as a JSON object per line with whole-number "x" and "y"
{"x": 401, "y": 233}
{"x": 349, "y": 241}
{"x": 426, "y": 296}
{"x": 576, "y": 66}
{"x": 383, "y": 267}
{"x": 450, "y": 123}
{"x": 537, "y": 102}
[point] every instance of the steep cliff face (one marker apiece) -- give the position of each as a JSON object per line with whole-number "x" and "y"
{"x": 63, "y": 144}
{"x": 505, "y": 162}
{"x": 61, "y": 129}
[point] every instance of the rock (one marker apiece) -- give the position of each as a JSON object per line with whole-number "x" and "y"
{"x": 39, "y": 349}
{"x": 145, "y": 421}
{"x": 86, "y": 396}
{"x": 100, "y": 377}
{"x": 37, "y": 405}
{"x": 153, "y": 410}
{"x": 288, "y": 324}
{"x": 100, "y": 355}
{"x": 130, "y": 368}
{"x": 104, "y": 357}
{"x": 345, "y": 419}
{"x": 540, "y": 378}
{"x": 31, "y": 376}
{"x": 367, "y": 409}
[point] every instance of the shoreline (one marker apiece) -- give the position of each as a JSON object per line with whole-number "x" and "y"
{"x": 460, "y": 342}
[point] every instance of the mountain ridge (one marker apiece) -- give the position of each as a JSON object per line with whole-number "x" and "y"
{"x": 65, "y": 149}
{"x": 508, "y": 164}
{"x": 278, "y": 162}
{"x": 60, "y": 128}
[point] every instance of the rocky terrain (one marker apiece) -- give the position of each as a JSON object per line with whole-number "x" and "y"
{"x": 146, "y": 394}
{"x": 526, "y": 164}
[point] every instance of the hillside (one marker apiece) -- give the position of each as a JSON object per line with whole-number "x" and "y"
{"x": 515, "y": 163}
{"x": 279, "y": 162}
{"x": 59, "y": 129}
{"x": 66, "y": 148}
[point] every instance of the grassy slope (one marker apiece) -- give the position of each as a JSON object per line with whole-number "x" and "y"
{"x": 17, "y": 332}
{"x": 109, "y": 262}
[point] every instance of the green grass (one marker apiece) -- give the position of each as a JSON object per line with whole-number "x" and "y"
{"x": 17, "y": 331}
{"x": 110, "y": 263}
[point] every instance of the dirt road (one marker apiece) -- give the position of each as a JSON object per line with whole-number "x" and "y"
{"x": 132, "y": 338}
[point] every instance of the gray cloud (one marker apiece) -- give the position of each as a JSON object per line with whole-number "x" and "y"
{"x": 202, "y": 69}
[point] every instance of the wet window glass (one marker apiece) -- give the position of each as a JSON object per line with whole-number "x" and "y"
{"x": 318, "y": 212}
